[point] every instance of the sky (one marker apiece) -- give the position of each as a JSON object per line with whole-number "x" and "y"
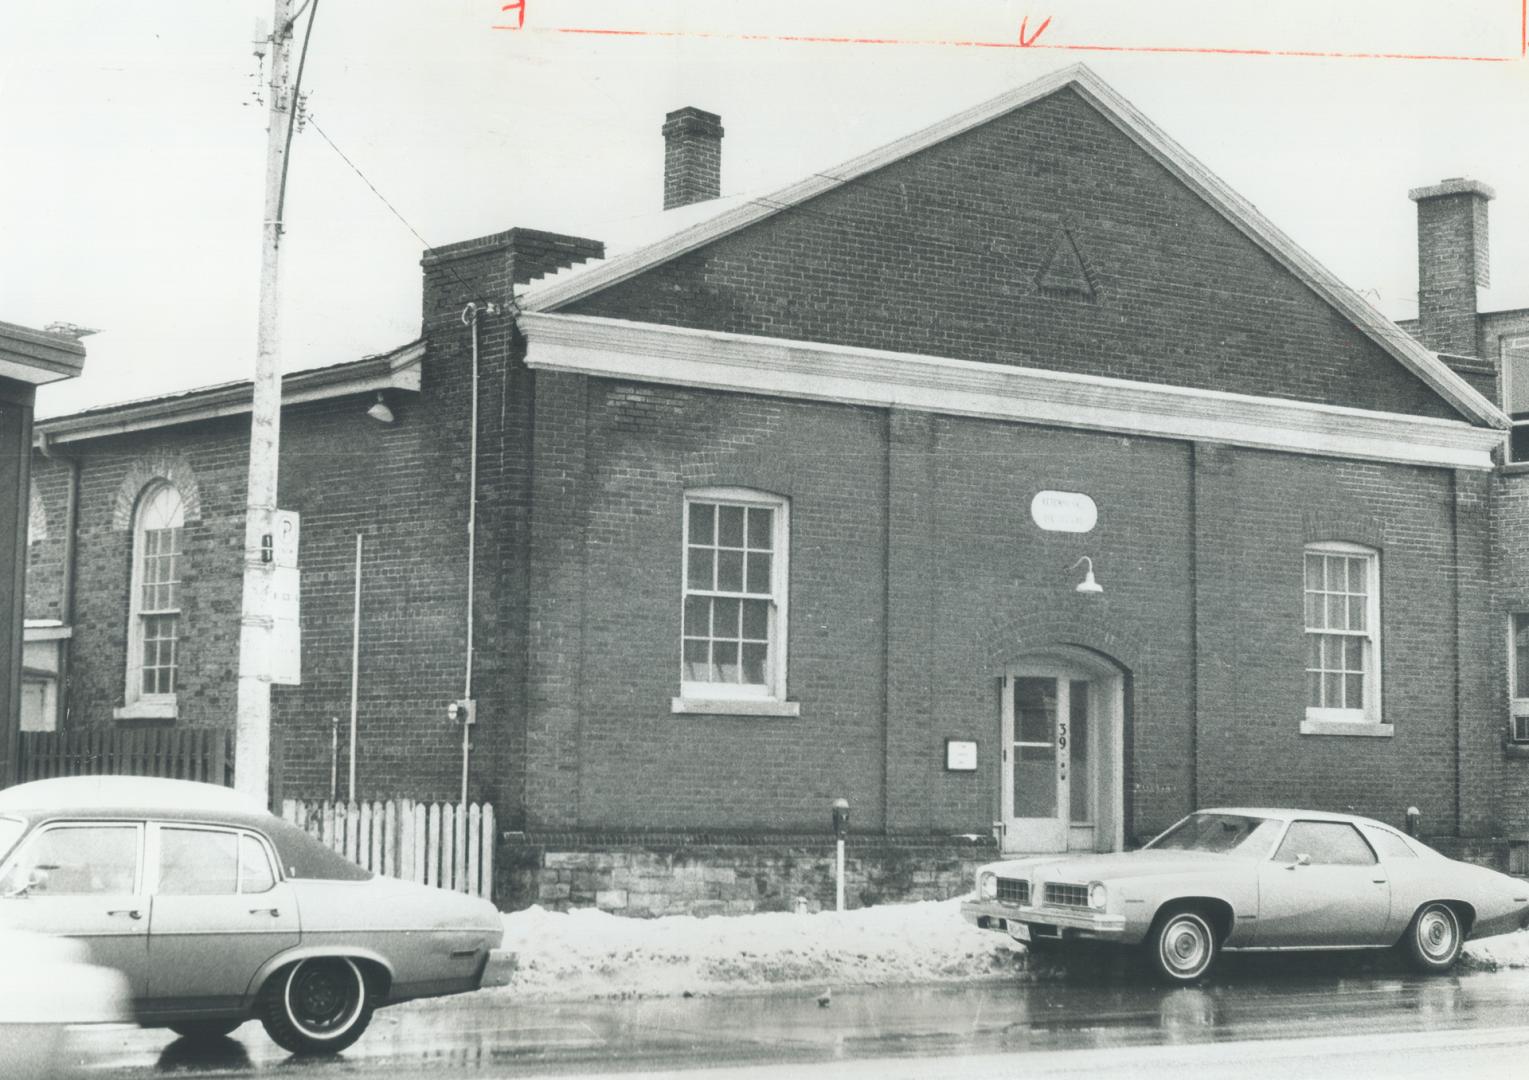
{"x": 131, "y": 198}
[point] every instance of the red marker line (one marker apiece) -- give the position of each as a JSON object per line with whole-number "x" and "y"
{"x": 808, "y": 39}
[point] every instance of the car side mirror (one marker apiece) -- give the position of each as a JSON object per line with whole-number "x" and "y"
{"x": 1302, "y": 859}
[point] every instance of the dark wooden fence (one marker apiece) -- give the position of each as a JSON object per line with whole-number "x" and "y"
{"x": 185, "y": 753}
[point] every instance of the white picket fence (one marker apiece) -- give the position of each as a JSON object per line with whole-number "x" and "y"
{"x": 442, "y": 844}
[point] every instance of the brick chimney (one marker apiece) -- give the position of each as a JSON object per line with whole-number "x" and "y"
{"x": 692, "y": 157}
{"x": 1452, "y": 262}
{"x": 489, "y": 267}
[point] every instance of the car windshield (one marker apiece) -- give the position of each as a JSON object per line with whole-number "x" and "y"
{"x": 1227, "y": 834}
{"x": 10, "y": 832}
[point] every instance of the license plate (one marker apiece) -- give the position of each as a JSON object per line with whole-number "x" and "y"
{"x": 1019, "y": 931}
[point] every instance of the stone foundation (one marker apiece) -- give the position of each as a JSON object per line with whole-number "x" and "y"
{"x": 728, "y": 875}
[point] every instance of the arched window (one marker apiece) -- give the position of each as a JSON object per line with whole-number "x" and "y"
{"x": 154, "y": 620}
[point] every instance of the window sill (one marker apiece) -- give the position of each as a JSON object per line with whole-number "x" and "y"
{"x": 1516, "y": 749}
{"x": 1347, "y": 727}
{"x": 734, "y": 707}
{"x": 146, "y": 710}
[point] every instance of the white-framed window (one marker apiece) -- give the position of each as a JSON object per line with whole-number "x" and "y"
{"x": 1342, "y": 602}
{"x": 154, "y": 616}
{"x": 1518, "y": 674}
{"x": 733, "y": 615}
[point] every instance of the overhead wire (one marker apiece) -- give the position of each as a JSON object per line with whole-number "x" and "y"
{"x": 294, "y": 103}
{"x": 429, "y": 247}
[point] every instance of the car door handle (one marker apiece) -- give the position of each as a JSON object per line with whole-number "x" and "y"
{"x": 272, "y": 912}
{"x": 1378, "y": 880}
{"x": 131, "y": 913}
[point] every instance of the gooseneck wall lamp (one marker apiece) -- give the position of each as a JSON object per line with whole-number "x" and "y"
{"x": 1088, "y": 584}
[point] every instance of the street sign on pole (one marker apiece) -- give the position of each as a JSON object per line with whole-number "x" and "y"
{"x": 285, "y": 602}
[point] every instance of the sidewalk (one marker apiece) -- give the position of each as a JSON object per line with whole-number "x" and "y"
{"x": 588, "y": 954}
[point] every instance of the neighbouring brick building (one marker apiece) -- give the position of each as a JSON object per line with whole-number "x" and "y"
{"x": 791, "y": 501}
{"x": 28, "y": 359}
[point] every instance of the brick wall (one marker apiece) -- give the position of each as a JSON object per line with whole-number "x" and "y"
{"x": 918, "y": 578}
{"x": 401, "y": 486}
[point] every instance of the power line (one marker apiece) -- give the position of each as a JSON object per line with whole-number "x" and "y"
{"x": 429, "y": 247}
{"x": 357, "y": 169}
{"x": 294, "y": 104}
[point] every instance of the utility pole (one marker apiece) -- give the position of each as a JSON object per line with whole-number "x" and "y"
{"x": 252, "y": 743}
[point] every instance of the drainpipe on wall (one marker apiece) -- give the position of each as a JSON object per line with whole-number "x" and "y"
{"x": 66, "y": 586}
{"x": 470, "y": 319}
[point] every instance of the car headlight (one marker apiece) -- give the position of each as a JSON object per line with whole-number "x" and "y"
{"x": 987, "y": 886}
{"x": 1098, "y": 896}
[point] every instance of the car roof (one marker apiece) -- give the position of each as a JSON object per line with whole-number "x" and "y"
{"x": 1288, "y": 814}
{"x": 126, "y": 795}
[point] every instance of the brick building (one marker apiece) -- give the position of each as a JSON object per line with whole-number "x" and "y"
{"x": 1491, "y": 350}
{"x": 28, "y": 359}
{"x": 791, "y": 500}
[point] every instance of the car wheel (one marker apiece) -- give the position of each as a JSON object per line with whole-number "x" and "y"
{"x": 1434, "y": 940}
{"x": 205, "y": 1029}
{"x": 1181, "y": 947}
{"x": 316, "y": 1006}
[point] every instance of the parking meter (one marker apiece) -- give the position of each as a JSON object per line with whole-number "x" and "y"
{"x": 1414, "y": 820}
{"x": 841, "y": 818}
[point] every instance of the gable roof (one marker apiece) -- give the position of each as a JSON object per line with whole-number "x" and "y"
{"x": 730, "y": 216}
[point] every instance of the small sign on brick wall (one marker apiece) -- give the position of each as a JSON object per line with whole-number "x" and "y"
{"x": 1064, "y": 511}
{"x": 960, "y": 755}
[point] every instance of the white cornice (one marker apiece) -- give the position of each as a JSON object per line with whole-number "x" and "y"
{"x": 38, "y": 356}
{"x": 1141, "y": 130}
{"x": 646, "y": 352}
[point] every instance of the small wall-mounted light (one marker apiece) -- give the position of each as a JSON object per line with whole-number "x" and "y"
{"x": 380, "y": 411}
{"x": 1088, "y": 584}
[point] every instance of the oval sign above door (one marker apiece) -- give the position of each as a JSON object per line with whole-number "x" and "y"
{"x": 1064, "y": 511}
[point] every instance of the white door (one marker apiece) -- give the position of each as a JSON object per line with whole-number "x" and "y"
{"x": 1050, "y": 760}
{"x": 219, "y": 912}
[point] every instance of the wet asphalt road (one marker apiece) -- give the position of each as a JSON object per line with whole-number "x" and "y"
{"x": 1268, "y": 1016}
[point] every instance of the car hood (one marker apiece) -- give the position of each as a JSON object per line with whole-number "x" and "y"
{"x": 1111, "y": 867}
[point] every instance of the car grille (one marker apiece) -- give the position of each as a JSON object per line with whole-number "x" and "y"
{"x": 1013, "y": 890}
{"x": 1065, "y": 895}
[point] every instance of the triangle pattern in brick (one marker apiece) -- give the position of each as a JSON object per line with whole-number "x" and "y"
{"x": 1064, "y": 273}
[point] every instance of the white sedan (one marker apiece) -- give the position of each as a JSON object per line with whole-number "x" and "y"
{"x": 216, "y": 911}
{"x": 1255, "y": 880}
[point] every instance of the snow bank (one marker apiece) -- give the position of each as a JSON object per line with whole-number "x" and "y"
{"x": 1501, "y": 951}
{"x": 585, "y": 953}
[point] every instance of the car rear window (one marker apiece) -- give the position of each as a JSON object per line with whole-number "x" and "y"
{"x": 305, "y": 858}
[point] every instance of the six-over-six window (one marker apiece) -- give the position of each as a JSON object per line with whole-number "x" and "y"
{"x": 734, "y": 615}
{"x": 1342, "y": 633}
